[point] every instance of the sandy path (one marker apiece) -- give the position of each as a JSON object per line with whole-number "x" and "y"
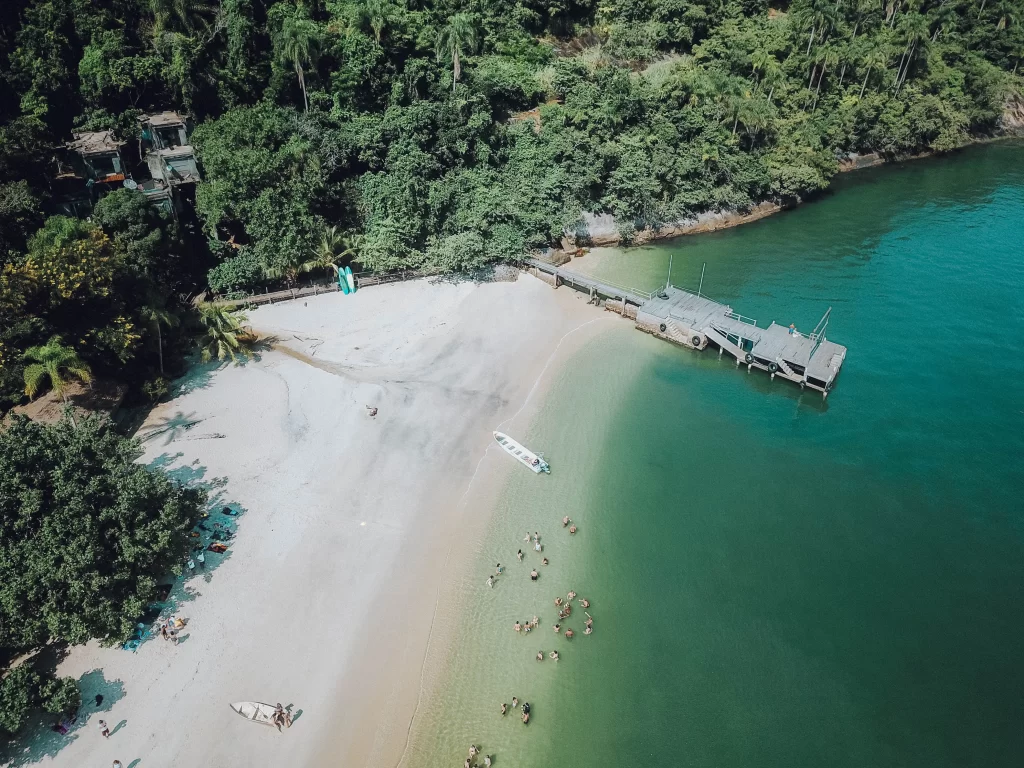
{"x": 326, "y": 598}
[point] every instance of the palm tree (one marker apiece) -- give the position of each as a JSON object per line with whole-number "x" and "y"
{"x": 182, "y": 15}
{"x": 299, "y": 44}
{"x": 373, "y": 14}
{"x": 293, "y": 264}
{"x": 878, "y": 56}
{"x": 334, "y": 246}
{"x": 158, "y": 316}
{"x": 222, "y": 333}
{"x": 456, "y": 39}
{"x": 57, "y": 364}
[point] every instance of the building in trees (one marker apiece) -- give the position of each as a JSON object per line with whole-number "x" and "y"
{"x": 169, "y": 158}
{"x": 91, "y": 165}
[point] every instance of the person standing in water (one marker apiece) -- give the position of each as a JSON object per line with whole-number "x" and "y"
{"x": 490, "y": 581}
{"x": 519, "y": 554}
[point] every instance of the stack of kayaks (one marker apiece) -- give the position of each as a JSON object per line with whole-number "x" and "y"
{"x": 346, "y": 281}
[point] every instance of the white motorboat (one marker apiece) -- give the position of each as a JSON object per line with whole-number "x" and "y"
{"x": 533, "y": 460}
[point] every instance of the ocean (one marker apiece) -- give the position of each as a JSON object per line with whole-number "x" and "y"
{"x": 776, "y": 580}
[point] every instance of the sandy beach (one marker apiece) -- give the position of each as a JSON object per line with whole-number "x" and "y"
{"x": 351, "y": 525}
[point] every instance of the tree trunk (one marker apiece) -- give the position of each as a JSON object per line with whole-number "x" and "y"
{"x": 160, "y": 347}
{"x": 865, "y": 83}
{"x": 456, "y": 67}
{"x": 809, "y": 41}
{"x": 302, "y": 83}
{"x": 842, "y": 75}
{"x": 818, "y": 89}
{"x": 814, "y": 71}
{"x": 735, "y": 122}
{"x": 982, "y": 9}
{"x": 770, "y": 94}
{"x": 899, "y": 69}
{"x": 71, "y": 411}
{"x": 906, "y": 69}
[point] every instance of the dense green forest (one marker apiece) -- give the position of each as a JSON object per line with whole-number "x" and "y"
{"x": 439, "y": 134}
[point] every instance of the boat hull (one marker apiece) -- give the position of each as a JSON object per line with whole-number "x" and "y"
{"x": 520, "y": 453}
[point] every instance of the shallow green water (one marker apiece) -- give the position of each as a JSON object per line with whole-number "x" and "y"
{"x": 777, "y": 581}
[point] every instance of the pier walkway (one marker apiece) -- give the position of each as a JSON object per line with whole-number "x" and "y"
{"x": 696, "y": 321}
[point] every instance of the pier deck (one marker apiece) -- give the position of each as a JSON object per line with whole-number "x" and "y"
{"x": 692, "y": 320}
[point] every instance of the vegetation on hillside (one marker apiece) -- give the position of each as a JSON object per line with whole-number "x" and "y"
{"x": 441, "y": 134}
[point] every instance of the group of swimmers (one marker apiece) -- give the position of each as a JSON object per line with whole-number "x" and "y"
{"x": 474, "y": 750}
{"x": 515, "y": 705}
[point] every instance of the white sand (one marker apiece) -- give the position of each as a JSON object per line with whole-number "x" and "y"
{"x": 327, "y": 597}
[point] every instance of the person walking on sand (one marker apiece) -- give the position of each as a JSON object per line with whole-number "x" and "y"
{"x": 201, "y": 559}
{"x": 104, "y": 730}
{"x": 191, "y": 566}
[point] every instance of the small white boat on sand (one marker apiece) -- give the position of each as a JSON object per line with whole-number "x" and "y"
{"x": 256, "y": 711}
{"x": 517, "y": 451}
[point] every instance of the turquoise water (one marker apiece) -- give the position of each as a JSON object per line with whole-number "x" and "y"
{"x": 777, "y": 580}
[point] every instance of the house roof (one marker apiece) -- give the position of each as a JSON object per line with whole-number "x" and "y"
{"x": 94, "y": 143}
{"x": 161, "y": 119}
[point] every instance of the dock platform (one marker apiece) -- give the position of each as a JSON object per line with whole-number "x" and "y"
{"x": 692, "y": 320}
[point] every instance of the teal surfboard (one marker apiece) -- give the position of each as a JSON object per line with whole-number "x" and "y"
{"x": 342, "y": 282}
{"x": 351, "y": 279}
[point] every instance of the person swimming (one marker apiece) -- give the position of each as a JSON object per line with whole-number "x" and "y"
{"x": 571, "y": 595}
{"x": 572, "y": 529}
{"x": 557, "y": 628}
{"x": 565, "y": 521}
{"x": 584, "y": 602}
{"x": 554, "y": 655}
{"x": 558, "y": 601}
{"x": 568, "y": 634}
{"x": 540, "y": 655}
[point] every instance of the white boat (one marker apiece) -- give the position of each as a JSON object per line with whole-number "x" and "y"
{"x": 255, "y": 711}
{"x": 517, "y": 451}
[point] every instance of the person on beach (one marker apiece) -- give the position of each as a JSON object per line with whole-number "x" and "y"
{"x": 536, "y": 537}
{"x": 487, "y": 761}
{"x": 472, "y": 750}
{"x": 557, "y": 628}
{"x": 554, "y": 655}
{"x": 201, "y": 559}
{"x": 572, "y": 529}
{"x": 540, "y": 655}
{"x": 519, "y": 554}
{"x": 568, "y": 634}
{"x": 518, "y": 627}
{"x": 537, "y": 547}
{"x": 536, "y": 621}
{"x": 191, "y": 566}
{"x": 584, "y": 602}
{"x": 116, "y": 764}
{"x": 467, "y": 764}
{"x": 104, "y": 730}
{"x": 534, "y": 574}
{"x": 527, "y": 536}
{"x": 565, "y": 521}
{"x": 572, "y": 594}
{"x": 504, "y": 708}
{"x": 588, "y": 630}
{"x": 544, "y": 561}
{"x": 526, "y": 718}
{"x": 515, "y": 702}
{"x": 527, "y": 628}
{"x": 497, "y": 569}
{"x": 490, "y": 581}
{"x": 558, "y": 601}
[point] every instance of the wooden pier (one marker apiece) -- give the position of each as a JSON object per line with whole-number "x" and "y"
{"x": 695, "y": 321}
